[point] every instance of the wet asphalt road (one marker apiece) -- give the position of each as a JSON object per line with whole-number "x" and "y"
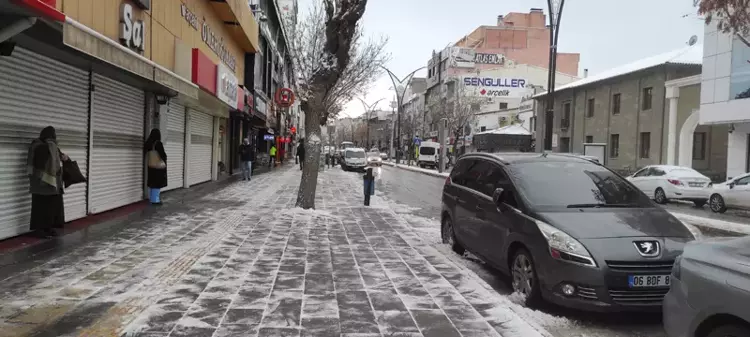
{"x": 422, "y": 193}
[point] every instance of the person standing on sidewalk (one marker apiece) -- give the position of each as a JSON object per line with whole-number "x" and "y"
{"x": 247, "y": 152}
{"x": 272, "y": 154}
{"x": 157, "y": 166}
{"x": 44, "y": 162}
{"x": 301, "y": 153}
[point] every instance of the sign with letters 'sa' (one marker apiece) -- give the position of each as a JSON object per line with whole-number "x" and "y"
{"x": 132, "y": 31}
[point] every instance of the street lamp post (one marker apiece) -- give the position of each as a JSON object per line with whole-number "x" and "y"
{"x": 368, "y": 110}
{"x": 399, "y": 86}
{"x": 555, "y": 13}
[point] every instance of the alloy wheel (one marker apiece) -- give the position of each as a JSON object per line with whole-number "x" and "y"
{"x": 717, "y": 203}
{"x": 523, "y": 275}
{"x": 660, "y": 196}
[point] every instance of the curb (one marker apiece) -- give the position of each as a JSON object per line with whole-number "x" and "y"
{"x": 418, "y": 170}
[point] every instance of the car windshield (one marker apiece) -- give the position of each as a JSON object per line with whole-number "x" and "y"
{"x": 427, "y": 151}
{"x": 355, "y": 154}
{"x": 574, "y": 185}
{"x": 374, "y": 154}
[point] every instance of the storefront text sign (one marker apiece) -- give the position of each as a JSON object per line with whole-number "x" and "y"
{"x": 214, "y": 42}
{"x": 132, "y": 32}
{"x": 489, "y": 58}
{"x": 260, "y": 107}
{"x": 226, "y": 86}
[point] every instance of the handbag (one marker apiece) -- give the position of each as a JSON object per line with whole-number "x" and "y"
{"x": 72, "y": 173}
{"x": 154, "y": 160}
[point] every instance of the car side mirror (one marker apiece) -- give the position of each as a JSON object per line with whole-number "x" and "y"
{"x": 731, "y": 185}
{"x": 498, "y": 196}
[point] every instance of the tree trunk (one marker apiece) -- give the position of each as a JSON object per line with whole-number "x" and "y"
{"x": 455, "y": 142}
{"x": 309, "y": 182}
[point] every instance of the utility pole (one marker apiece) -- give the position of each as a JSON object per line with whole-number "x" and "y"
{"x": 555, "y": 14}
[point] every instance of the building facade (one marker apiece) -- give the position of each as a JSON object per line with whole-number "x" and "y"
{"x": 127, "y": 66}
{"x": 639, "y": 112}
{"x": 725, "y": 87}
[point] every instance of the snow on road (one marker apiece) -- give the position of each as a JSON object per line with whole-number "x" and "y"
{"x": 728, "y": 226}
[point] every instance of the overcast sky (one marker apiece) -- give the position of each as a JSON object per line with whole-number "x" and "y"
{"x": 606, "y": 33}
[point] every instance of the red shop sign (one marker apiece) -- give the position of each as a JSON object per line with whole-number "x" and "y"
{"x": 284, "y": 97}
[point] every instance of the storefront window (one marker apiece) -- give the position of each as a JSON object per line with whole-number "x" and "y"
{"x": 740, "y": 75}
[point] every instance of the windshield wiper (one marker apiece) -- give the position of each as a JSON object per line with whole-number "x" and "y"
{"x": 601, "y": 205}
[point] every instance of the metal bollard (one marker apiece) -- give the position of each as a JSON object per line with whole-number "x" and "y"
{"x": 369, "y": 185}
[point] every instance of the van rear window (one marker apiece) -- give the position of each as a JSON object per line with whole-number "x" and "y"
{"x": 427, "y": 151}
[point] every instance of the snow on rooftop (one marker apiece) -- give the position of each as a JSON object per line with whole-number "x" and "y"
{"x": 686, "y": 55}
{"x": 515, "y": 129}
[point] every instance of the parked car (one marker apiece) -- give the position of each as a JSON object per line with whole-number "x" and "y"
{"x": 567, "y": 230}
{"x": 734, "y": 193}
{"x": 664, "y": 182}
{"x": 373, "y": 159}
{"x": 354, "y": 159}
{"x": 710, "y": 290}
{"x": 383, "y": 156}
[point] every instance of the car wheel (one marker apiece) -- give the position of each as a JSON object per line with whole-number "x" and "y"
{"x": 717, "y": 204}
{"x": 699, "y": 203}
{"x": 729, "y": 331}
{"x": 660, "y": 196}
{"x": 449, "y": 236}
{"x": 524, "y": 277}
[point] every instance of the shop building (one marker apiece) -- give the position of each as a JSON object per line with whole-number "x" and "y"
{"x": 725, "y": 89}
{"x": 104, "y": 73}
{"x": 643, "y": 113}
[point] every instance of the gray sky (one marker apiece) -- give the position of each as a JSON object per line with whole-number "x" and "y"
{"x": 606, "y": 33}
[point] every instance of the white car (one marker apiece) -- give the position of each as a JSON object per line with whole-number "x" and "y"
{"x": 734, "y": 193}
{"x": 354, "y": 159}
{"x": 373, "y": 159}
{"x": 665, "y": 182}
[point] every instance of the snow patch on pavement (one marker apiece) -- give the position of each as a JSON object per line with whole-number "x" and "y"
{"x": 434, "y": 173}
{"x": 713, "y": 223}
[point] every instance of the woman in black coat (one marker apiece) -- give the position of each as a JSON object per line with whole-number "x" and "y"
{"x": 157, "y": 166}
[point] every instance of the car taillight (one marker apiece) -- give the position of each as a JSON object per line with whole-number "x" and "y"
{"x": 674, "y": 182}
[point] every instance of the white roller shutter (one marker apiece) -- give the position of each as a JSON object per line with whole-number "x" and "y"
{"x": 175, "y": 145}
{"x": 201, "y": 146}
{"x": 35, "y": 92}
{"x": 117, "y": 159}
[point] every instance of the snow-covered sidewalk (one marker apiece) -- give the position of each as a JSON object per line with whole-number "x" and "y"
{"x": 243, "y": 262}
{"x": 431, "y": 172}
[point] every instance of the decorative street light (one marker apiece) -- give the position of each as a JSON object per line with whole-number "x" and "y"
{"x": 555, "y": 13}
{"x": 368, "y": 109}
{"x": 399, "y": 86}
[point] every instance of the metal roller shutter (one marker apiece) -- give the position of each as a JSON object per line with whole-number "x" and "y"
{"x": 175, "y": 145}
{"x": 31, "y": 98}
{"x": 117, "y": 159}
{"x": 201, "y": 146}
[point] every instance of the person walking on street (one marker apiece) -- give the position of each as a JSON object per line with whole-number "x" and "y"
{"x": 246, "y": 158}
{"x": 157, "y": 166}
{"x": 301, "y": 153}
{"x": 272, "y": 154}
{"x": 44, "y": 162}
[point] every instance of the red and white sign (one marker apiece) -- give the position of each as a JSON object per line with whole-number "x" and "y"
{"x": 284, "y": 97}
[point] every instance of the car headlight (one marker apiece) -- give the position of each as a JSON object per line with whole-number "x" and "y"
{"x": 564, "y": 247}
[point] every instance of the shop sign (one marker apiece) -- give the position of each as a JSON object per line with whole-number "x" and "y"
{"x": 208, "y": 36}
{"x": 216, "y": 44}
{"x": 132, "y": 32}
{"x": 226, "y": 86}
{"x": 260, "y": 106}
{"x": 462, "y": 57}
{"x": 267, "y": 137}
{"x": 489, "y": 58}
{"x": 284, "y": 97}
{"x": 497, "y": 87}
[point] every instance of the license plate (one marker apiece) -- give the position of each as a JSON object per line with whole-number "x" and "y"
{"x": 645, "y": 281}
{"x": 696, "y": 184}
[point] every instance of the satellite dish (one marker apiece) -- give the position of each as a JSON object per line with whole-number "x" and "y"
{"x": 693, "y": 40}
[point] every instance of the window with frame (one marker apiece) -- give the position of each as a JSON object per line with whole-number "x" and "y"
{"x": 459, "y": 173}
{"x": 475, "y": 175}
{"x": 616, "y": 104}
{"x": 498, "y": 178}
{"x": 645, "y": 144}
{"x": 614, "y": 146}
{"x": 742, "y": 181}
{"x": 590, "y": 107}
{"x": 503, "y": 105}
{"x": 589, "y": 139}
{"x": 644, "y": 172}
{"x": 565, "y": 122}
{"x": 699, "y": 146}
{"x": 648, "y": 96}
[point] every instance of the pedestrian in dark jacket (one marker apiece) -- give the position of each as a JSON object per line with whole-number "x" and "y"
{"x": 247, "y": 153}
{"x": 301, "y": 153}
{"x": 157, "y": 166}
{"x": 44, "y": 168}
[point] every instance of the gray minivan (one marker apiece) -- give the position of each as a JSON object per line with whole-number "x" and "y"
{"x": 566, "y": 229}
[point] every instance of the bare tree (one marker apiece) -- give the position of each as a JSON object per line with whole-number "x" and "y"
{"x": 732, "y": 16}
{"x": 459, "y": 107}
{"x": 333, "y": 64}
